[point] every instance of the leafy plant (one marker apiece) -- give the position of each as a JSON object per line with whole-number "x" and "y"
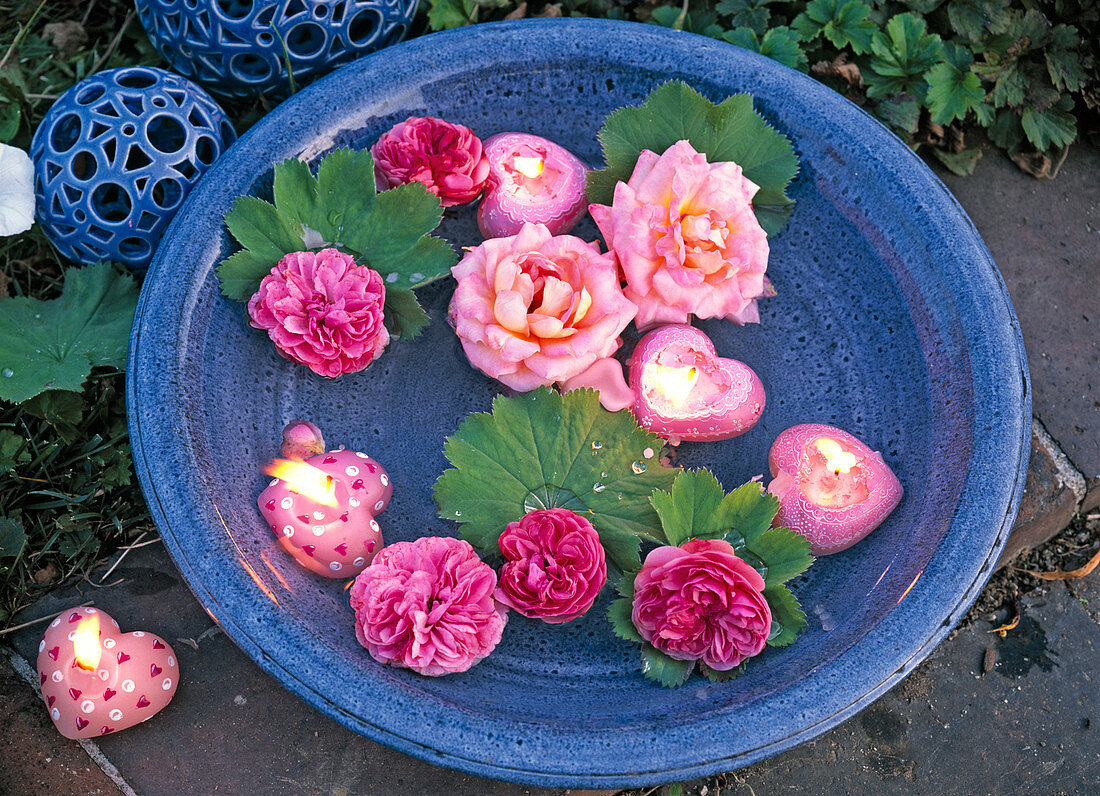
{"x": 697, "y": 507}
{"x": 545, "y": 450}
{"x": 730, "y": 130}
{"x": 387, "y": 231}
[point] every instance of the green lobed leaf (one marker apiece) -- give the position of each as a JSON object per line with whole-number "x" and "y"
{"x": 262, "y": 229}
{"x": 785, "y": 554}
{"x": 53, "y": 345}
{"x": 692, "y": 509}
{"x": 779, "y": 43}
{"x": 1062, "y": 60}
{"x": 961, "y": 163}
{"x": 730, "y": 130}
{"x": 13, "y": 450}
{"x": 1054, "y": 127}
{"x": 12, "y": 538}
{"x": 619, "y": 614}
{"x": 546, "y": 450}
{"x": 662, "y": 669}
{"x": 1006, "y": 130}
{"x": 241, "y": 273}
{"x": 952, "y": 93}
{"x": 404, "y": 316}
{"x": 387, "y": 236}
{"x": 750, "y": 511}
{"x": 788, "y": 619}
{"x": 976, "y": 20}
{"x": 346, "y": 193}
{"x": 748, "y": 14}
{"x": 902, "y": 55}
{"x": 842, "y": 22}
{"x": 900, "y": 111}
{"x": 445, "y": 14}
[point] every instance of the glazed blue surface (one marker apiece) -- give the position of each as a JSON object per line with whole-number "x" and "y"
{"x": 114, "y": 158}
{"x": 891, "y": 322}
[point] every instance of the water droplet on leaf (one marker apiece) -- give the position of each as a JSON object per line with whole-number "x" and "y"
{"x": 638, "y": 467}
{"x": 596, "y": 445}
{"x": 598, "y": 487}
{"x": 7, "y": 373}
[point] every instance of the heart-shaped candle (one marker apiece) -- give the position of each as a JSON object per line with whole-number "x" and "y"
{"x": 323, "y": 510}
{"x": 530, "y": 179}
{"x": 97, "y": 680}
{"x": 684, "y": 391}
{"x": 832, "y": 488}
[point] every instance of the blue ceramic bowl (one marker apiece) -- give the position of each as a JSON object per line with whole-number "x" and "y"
{"x": 891, "y": 322}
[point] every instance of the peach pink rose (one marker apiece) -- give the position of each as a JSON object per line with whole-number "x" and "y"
{"x": 554, "y": 565}
{"x": 445, "y": 158}
{"x": 701, "y": 602}
{"x": 687, "y": 239}
{"x": 533, "y": 309}
{"x": 428, "y": 606}
{"x": 323, "y": 311}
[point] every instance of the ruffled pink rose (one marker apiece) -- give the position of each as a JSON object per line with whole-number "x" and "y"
{"x": 701, "y": 602}
{"x": 687, "y": 239}
{"x": 428, "y": 606}
{"x": 555, "y": 565}
{"x": 445, "y": 158}
{"x": 323, "y": 311}
{"x": 533, "y": 309}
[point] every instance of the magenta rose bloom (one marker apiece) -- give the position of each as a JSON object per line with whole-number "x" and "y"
{"x": 323, "y": 311}
{"x": 555, "y": 565}
{"x": 428, "y": 606}
{"x": 445, "y": 158}
{"x": 532, "y": 309}
{"x": 687, "y": 239}
{"x": 701, "y": 602}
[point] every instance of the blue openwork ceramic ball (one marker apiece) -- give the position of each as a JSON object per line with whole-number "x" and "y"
{"x": 240, "y": 48}
{"x": 115, "y": 156}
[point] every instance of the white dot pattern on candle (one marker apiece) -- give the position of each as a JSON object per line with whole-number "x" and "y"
{"x": 384, "y": 479}
{"x": 171, "y": 661}
{"x": 374, "y": 526}
{"x": 55, "y": 714}
{"x": 351, "y": 470}
{"x": 72, "y": 635}
{"x": 378, "y": 506}
{"x": 127, "y": 686}
{"x": 288, "y": 530}
{"x": 115, "y": 715}
{"x": 359, "y": 562}
{"x": 55, "y": 622}
{"x": 335, "y": 566}
{"x": 286, "y": 503}
{"x": 108, "y": 643}
{"x": 273, "y": 481}
{"x": 362, "y": 455}
{"x": 57, "y": 676}
{"x": 318, "y": 530}
{"x": 167, "y": 683}
{"x": 42, "y": 645}
{"x": 354, "y": 502}
{"x": 89, "y": 610}
{"x": 87, "y": 706}
{"x": 139, "y": 634}
{"x": 318, "y": 515}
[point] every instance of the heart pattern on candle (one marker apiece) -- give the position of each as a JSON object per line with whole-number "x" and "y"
{"x": 684, "y": 391}
{"x": 333, "y": 541}
{"x": 832, "y": 502}
{"x": 123, "y": 689}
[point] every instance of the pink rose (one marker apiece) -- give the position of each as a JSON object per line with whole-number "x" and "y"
{"x": 532, "y": 309}
{"x": 445, "y": 158}
{"x": 428, "y": 606}
{"x": 686, "y": 238}
{"x": 323, "y": 311}
{"x": 701, "y": 602}
{"x": 555, "y": 565}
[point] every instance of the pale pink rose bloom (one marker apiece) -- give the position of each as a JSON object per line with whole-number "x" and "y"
{"x": 533, "y": 309}
{"x": 323, "y": 311}
{"x": 428, "y": 606}
{"x": 445, "y": 158}
{"x": 686, "y": 238}
{"x": 701, "y": 602}
{"x": 554, "y": 565}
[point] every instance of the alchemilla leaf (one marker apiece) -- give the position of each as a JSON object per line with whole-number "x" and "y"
{"x": 785, "y": 554}
{"x": 662, "y": 669}
{"x": 730, "y": 130}
{"x": 53, "y": 345}
{"x": 619, "y": 614}
{"x": 340, "y": 208}
{"x": 788, "y": 618}
{"x": 547, "y": 450}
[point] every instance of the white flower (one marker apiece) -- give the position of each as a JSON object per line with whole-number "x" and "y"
{"x": 16, "y": 191}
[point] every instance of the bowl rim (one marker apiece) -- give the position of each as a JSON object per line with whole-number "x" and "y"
{"x": 155, "y": 415}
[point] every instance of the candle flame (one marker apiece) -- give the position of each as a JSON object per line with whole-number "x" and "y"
{"x": 675, "y": 384}
{"x": 305, "y": 479}
{"x": 86, "y": 643}
{"x": 836, "y": 458}
{"x": 528, "y": 167}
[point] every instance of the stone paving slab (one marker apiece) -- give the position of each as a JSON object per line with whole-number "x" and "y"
{"x": 947, "y": 728}
{"x": 1045, "y": 237}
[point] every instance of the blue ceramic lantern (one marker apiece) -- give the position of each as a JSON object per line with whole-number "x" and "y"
{"x": 115, "y": 156}
{"x": 240, "y": 49}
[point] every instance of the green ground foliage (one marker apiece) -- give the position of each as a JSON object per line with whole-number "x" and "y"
{"x": 935, "y": 71}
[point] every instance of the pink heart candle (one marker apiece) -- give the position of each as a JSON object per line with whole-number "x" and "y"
{"x": 832, "y": 488}
{"x": 530, "y": 179}
{"x": 323, "y": 510}
{"x": 97, "y": 680}
{"x": 684, "y": 391}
